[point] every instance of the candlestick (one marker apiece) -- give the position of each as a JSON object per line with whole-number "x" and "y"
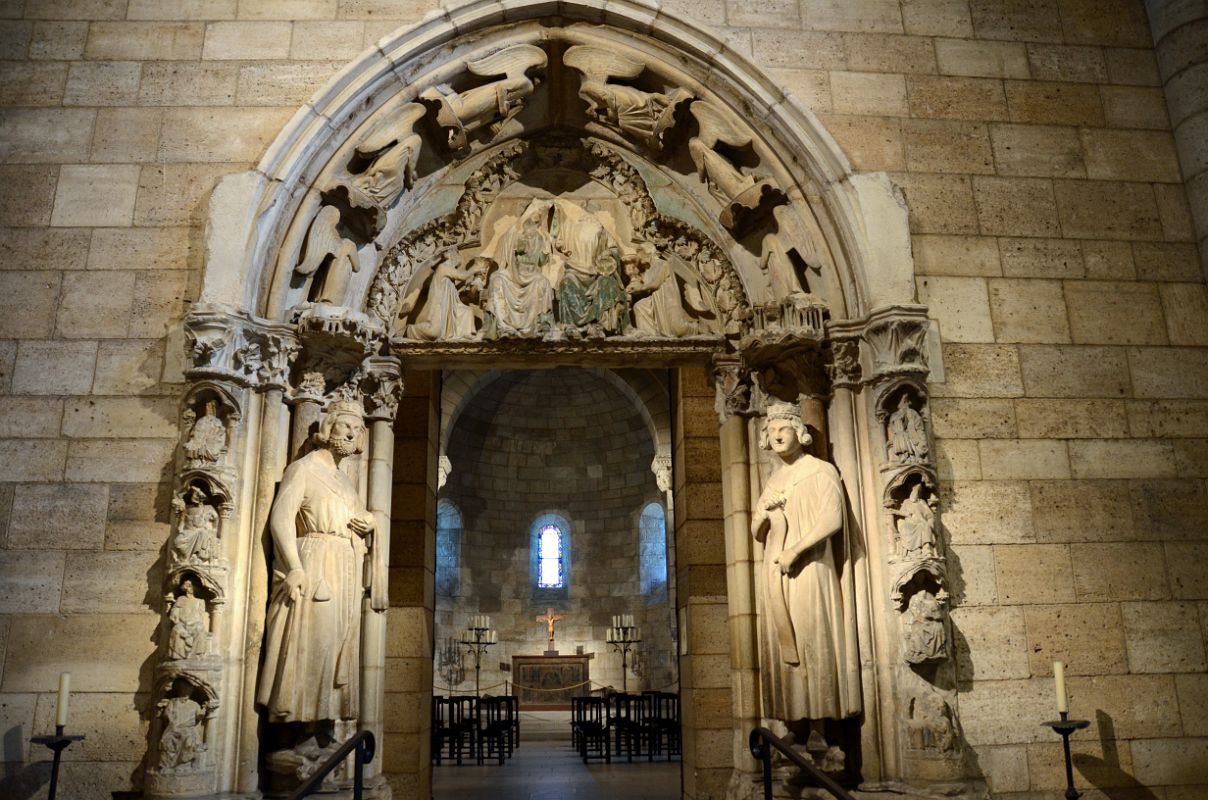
{"x": 64, "y": 695}
{"x": 1065, "y": 727}
{"x": 59, "y": 741}
{"x": 1063, "y": 703}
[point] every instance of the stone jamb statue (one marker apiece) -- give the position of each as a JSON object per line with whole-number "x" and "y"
{"x": 312, "y": 642}
{"x": 809, "y": 667}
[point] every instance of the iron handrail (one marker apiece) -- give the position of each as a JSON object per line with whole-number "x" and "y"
{"x": 761, "y": 743}
{"x": 365, "y": 746}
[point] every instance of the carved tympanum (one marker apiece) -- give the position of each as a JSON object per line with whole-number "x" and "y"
{"x": 620, "y": 110}
{"x": 492, "y": 105}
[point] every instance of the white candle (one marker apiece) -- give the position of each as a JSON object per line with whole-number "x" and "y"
{"x": 1063, "y": 703}
{"x": 64, "y": 692}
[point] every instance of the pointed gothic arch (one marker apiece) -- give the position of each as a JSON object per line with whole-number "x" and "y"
{"x": 316, "y": 260}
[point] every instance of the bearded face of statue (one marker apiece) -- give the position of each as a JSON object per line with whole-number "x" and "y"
{"x": 344, "y": 438}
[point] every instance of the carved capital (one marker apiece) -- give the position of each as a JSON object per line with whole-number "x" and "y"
{"x": 226, "y": 344}
{"x": 661, "y": 467}
{"x": 381, "y": 387}
{"x": 896, "y": 338}
{"x": 736, "y": 392}
{"x": 843, "y": 368}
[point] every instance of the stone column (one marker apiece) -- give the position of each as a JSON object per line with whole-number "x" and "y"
{"x": 1179, "y": 31}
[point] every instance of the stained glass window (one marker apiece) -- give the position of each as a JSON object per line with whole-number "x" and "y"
{"x": 448, "y": 549}
{"x": 549, "y": 557}
{"x": 653, "y": 553}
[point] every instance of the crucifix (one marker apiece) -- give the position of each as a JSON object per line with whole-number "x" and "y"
{"x": 549, "y": 619}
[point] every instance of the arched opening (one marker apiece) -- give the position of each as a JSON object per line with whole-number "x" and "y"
{"x": 565, "y": 186}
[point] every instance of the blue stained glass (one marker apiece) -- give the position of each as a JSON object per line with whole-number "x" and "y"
{"x": 549, "y": 555}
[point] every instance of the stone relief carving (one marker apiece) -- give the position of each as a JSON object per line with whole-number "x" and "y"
{"x": 809, "y": 665}
{"x": 189, "y": 623}
{"x": 226, "y": 345}
{"x": 931, "y": 725}
{"x": 745, "y": 198}
{"x": 734, "y": 391}
{"x": 382, "y": 168}
{"x": 924, "y": 637}
{"x": 207, "y": 442}
{"x": 196, "y": 539}
{"x": 897, "y": 344}
{"x": 329, "y": 257}
{"x": 661, "y": 467}
{"x": 452, "y": 309}
{"x": 844, "y": 369}
{"x": 906, "y": 439}
{"x": 181, "y": 745}
{"x": 915, "y": 525}
{"x": 320, "y": 528}
{"x": 492, "y": 105}
{"x": 619, "y": 110}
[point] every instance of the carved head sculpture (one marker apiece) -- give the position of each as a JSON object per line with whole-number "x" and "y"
{"x": 783, "y": 417}
{"x": 186, "y": 586}
{"x": 343, "y": 428}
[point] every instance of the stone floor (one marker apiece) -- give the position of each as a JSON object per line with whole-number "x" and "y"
{"x": 546, "y": 768}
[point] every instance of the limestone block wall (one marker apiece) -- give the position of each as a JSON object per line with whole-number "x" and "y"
{"x": 564, "y": 442}
{"x": 1053, "y": 242}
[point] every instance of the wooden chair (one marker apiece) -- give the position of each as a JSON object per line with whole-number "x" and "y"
{"x": 593, "y": 733}
{"x": 494, "y": 728}
{"x": 626, "y": 717}
{"x": 663, "y": 724}
{"x": 462, "y": 722}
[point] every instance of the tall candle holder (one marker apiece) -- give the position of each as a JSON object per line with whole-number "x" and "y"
{"x": 476, "y": 639}
{"x": 1066, "y": 727}
{"x": 57, "y": 743}
{"x": 622, "y": 636}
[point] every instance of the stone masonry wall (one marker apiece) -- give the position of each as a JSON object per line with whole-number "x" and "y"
{"x": 1052, "y": 239}
{"x": 564, "y": 442}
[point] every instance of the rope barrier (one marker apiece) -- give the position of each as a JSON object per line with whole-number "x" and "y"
{"x": 451, "y": 690}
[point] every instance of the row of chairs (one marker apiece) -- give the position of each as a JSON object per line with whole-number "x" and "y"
{"x": 478, "y": 728}
{"x": 626, "y": 725}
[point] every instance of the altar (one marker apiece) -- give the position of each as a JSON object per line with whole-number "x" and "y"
{"x": 549, "y": 682}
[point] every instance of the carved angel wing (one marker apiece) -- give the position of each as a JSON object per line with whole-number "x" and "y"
{"x": 600, "y": 65}
{"x": 392, "y": 124}
{"x": 511, "y": 61}
{"x": 323, "y": 240}
{"x": 718, "y": 126}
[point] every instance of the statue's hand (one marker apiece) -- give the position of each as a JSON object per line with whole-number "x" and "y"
{"x": 297, "y": 583}
{"x": 787, "y": 560}
{"x": 362, "y": 524}
{"x": 777, "y": 500}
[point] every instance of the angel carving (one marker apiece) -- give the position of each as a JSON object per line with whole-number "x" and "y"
{"x": 493, "y": 104}
{"x": 745, "y": 198}
{"x": 618, "y": 110}
{"x": 384, "y": 164}
{"x": 330, "y": 257}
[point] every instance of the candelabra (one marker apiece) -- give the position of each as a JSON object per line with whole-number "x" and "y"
{"x": 622, "y": 636}
{"x": 57, "y": 743}
{"x": 476, "y": 639}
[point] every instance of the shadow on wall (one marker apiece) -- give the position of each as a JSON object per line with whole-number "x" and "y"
{"x": 1105, "y": 773}
{"x": 22, "y": 781}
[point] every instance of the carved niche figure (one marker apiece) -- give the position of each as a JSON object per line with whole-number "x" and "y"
{"x": 930, "y": 724}
{"x": 312, "y": 638}
{"x": 446, "y": 314}
{"x": 906, "y": 435}
{"x": 520, "y": 299}
{"x": 189, "y": 635}
{"x": 590, "y": 296}
{"x": 389, "y": 153}
{"x": 325, "y": 245}
{"x": 653, "y": 285}
{"x": 207, "y": 440}
{"x": 197, "y": 534}
{"x": 493, "y": 104}
{"x": 744, "y": 197}
{"x": 916, "y": 525}
{"x": 808, "y": 647}
{"x": 619, "y": 109}
{"x": 181, "y": 748}
{"x": 924, "y": 638}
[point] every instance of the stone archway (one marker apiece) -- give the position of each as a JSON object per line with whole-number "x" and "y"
{"x": 656, "y": 144}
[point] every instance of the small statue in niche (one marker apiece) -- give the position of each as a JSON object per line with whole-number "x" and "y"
{"x": 906, "y": 435}
{"x": 326, "y": 245}
{"x": 652, "y": 283}
{"x": 590, "y": 296}
{"x": 207, "y": 440}
{"x": 494, "y": 104}
{"x": 930, "y": 724}
{"x": 520, "y": 300}
{"x": 197, "y": 534}
{"x": 618, "y": 109}
{"x": 189, "y": 635}
{"x": 924, "y": 638}
{"x": 807, "y": 640}
{"x": 451, "y": 310}
{"x": 181, "y": 748}
{"x": 391, "y": 150}
{"x": 916, "y": 525}
{"x": 745, "y": 199}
